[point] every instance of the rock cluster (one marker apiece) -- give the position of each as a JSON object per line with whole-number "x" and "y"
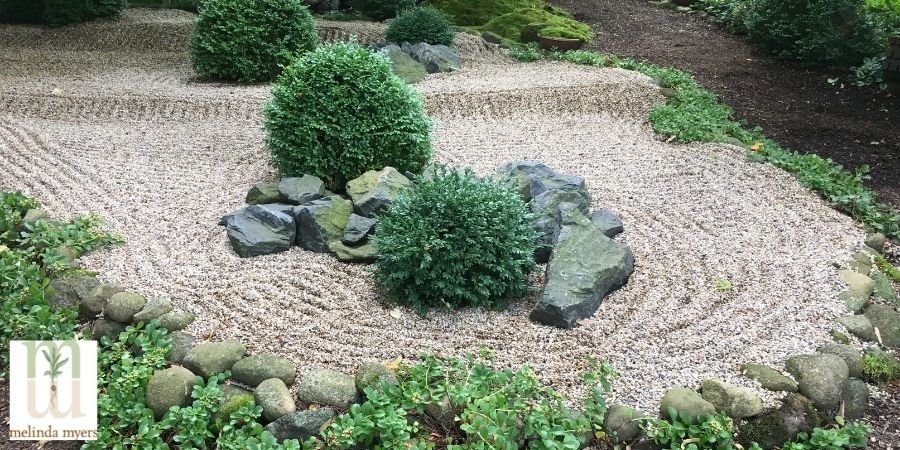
{"x": 299, "y": 211}
{"x": 412, "y": 62}
{"x": 872, "y": 321}
{"x": 584, "y": 263}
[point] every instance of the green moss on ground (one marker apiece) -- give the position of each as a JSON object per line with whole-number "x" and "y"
{"x": 477, "y": 13}
{"x": 510, "y": 25}
{"x": 506, "y": 18}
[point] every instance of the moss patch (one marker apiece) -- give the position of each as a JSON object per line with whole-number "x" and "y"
{"x": 510, "y": 25}
{"x": 480, "y": 12}
{"x": 507, "y": 18}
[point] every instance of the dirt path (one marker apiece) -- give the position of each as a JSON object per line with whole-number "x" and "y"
{"x": 797, "y": 107}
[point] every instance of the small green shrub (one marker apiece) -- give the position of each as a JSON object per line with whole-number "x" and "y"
{"x": 843, "y": 436}
{"x": 816, "y": 31}
{"x": 58, "y": 12}
{"x": 681, "y": 432}
{"x": 381, "y": 9}
{"x": 869, "y": 72}
{"x": 880, "y": 368}
{"x": 455, "y": 240}
{"x": 249, "y": 40}
{"x": 424, "y": 24}
{"x": 487, "y": 408}
{"x": 888, "y": 268}
{"x": 510, "y": 25}
{"x": 339, "y": 111}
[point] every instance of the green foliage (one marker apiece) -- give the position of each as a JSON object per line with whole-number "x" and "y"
{"x": 887, "y": 268}
{"x": 729, "y": 13}
{"x": 681, "y": 432}
{"x": 58, "y": 12}
{"x": 479, "y": 12}
{"x": 695, "y": 114}
{"x": 423, "y": 24}
{"x": 843, "y": 436}
{"x": 28, "y": 260}
{"x": 491, "y": 409}
{"x": 870, "y": 72}
{"x": 339, "y": 111}
{"x": 249, "y": 40}
{"x": 455, "y": 240}
{"x": 381, "y": 9}
{"x": 510, "y": 25}
{"x": 880, "y": 368}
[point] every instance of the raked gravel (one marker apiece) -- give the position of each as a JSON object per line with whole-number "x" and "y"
{"x": 131, "y": 136}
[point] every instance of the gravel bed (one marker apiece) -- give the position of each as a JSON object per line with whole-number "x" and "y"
{"x": 163, "y": 175}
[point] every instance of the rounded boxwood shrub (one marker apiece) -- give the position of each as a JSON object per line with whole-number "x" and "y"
{"x": 816, "y": 31}
{"x": 423, "y": 24}
{"x": 339, "y": 111}
{"x": 381, "y": 9}
{"x": 455, "y": 240}
{"x": 249, "y": 40}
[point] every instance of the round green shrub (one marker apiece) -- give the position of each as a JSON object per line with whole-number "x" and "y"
{"x": 816, "y": 31}
{"x": 339, "y": 111}
{"x": 423, "y": 24}
{"x": 455, "y": 240}
{"x": 249, "y": 40}
{"x": 381, "y": 9}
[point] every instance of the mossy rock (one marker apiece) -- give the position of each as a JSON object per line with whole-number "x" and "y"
{"x": 510, "y": 25}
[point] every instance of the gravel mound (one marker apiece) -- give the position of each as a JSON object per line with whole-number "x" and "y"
{"x": 163, "y": 162}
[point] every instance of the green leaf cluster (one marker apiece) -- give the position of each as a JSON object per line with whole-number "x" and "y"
{"x": 880, "y": 368}
{"x": 422, "y": 24}
{"x": 681, "y": 432}
{"x": 29, "y": 258}
{"x": 842, "y": 436}
{"x": 58, "y": 12}
{"x": 339, "y": 111}
{"x": 487, "y": 408}
{"x": 249, "y": 40}
{"x": 889, "y": 269}
{"x": 455, "y": 240}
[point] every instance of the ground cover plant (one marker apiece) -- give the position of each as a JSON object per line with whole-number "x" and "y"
{"x": 694, "y": 114}
{"x": 681, "y": 432}
{"x": 423, "y": 24}
{"x": 31, "y": 253}
{"x": 58, "y": 12}
{"x": 339, "y": 111}
{"x": 455, "y": 240}
{"x": 507, "y": 18}
{"x": 249, "y": 40}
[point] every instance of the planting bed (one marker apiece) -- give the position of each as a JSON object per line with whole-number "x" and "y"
{"x": 126, "y": 132}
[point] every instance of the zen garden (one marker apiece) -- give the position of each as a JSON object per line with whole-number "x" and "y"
{"x": 452, "y": 224}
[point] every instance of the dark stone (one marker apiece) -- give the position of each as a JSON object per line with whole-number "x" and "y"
{"x": 822, "y": 378}
{"x": 887, "y": 323}
{"x": 606, "y": 221}
{"x": 322, "y": 222}
{"x": 435, "y": 58}
{"x": 373, "y": 191}
{"x": 302, "y": 190}
{"x": 403, "y": 65}
{"x": 255, "y": 231}
{"x": 358, "y": 229}
{"x": 264, "y": 193}
{"x": 69, "y": 292}
{"x": 182, "y": 343}
{"x": 301, "y": 425}
{"x": 107, "y": 328}
{"x": 773, "y": 428}
{"x": 96, "y": 301}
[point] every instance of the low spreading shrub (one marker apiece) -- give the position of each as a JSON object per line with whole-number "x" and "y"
{"x": 479, "y": 12}
{"x": 455, "y": 240}
{"x": 339, "y": 111}
{"x": 681, "y": 432}
{"x": 249, "y": 40}
{"x": 880, "y": 368}
{"x": 424, "y": 24}
{"x": 889, "y": 269}
{"x": 381, "y": 9}
{"x": 842, "y": 436}
{"x": 510, "y": 25}
{"x": 58, "y": 12}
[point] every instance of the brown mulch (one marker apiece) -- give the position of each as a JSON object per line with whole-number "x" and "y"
{"x": 798, "y": 107}
{"x": 884, "y": 418}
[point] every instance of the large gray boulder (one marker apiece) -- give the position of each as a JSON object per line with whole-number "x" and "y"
{"x": 264, "y": 193}
{"x": 769, "y": 378}
{"x": 210, "y": 358}
{"x": 255, "y": 231}
{"x": 322, "y": 222}
{"x": 357, "y": 230}
{"x": 821, "y": 378}
{"x": 886, "y": 322}
{"x": 737, "y": 402}
{"x": 97, "y": 299}
{"x": 622, "y": 423}
{"x": 123, "y": 306}
{"x": 849, "y": 354}
{"x": 302, "y": 190}
{"x": 255, "y": 369}
{"x": 687, "y": 401}
{"x": 169, "y": 387}
{"x": 373, "y": 191}
{"x": 435, "y": 58}
{"x": 274, "y": 398}
{"x": 69, "y": 292}
{"x": 301, "y": 425}
{"x": 773, "y": 428}
{"x": 327, "y": 387}
{"x": 533, "y": 178}
{"x": 403, "y": 65}
{"x": 585, "y": 267}
{"x": 856, "y": 399}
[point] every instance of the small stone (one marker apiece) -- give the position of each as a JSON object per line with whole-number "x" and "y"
{"x": 69, "y": 255}
{"x": 859, "y": 326}
{"x": 69, "y": 292}
{"x": 327, "y": 387}
{"x": 774, "y": 428}
{"x": 886, "y": 324}
{"x": 373, "y": 374}
{"x": 853, "y": 302}
{"x": 358, "y": 229}
{"x": 35, "y": 214}
{"x": 856, "y": 399}
{"x": 687, "y": 401}
{"x": 233, "y": 402}
{"x": 107, "y": 328}
{"x": 123, "y": 306}
{"x": 177, "y": 320}
{"x": 264, "y": 193}
{"x": 96, "y": 300}
{"x": 444, "y": 413}
{"x": 884, "y": 289}
{"x": 876, "y": 241}
{"x": 839, "y": 337}
{"x": 301, "y": 425}
{"x": 364, "y": 253}
{"x": 302, "y": 190}
{"x": 858, "y": 283}
{"x": 821, "y": 378}
{"x": 621, "y": 423}
{"x": 169, "y": 387}
{"x": 850, "y": 355}
{"x": 154, "y": 309}
{"x": 737, "y": 402}
{"x": 253, "y": 370}
{"x": 210, "y": 358}
{"x": 182, "y": 343}
{"x": 274, "y": 398}
{"x": 373, "y": 191}
{"x": 769, "y": 378}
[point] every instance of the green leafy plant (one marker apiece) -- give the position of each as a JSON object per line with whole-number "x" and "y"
{"x": 722, "y": 284}
{"x": 422, "y": 24}
{"x": 480, "y": 407}
{"x": 681, "y": 432}
{"x": 249, "y": 40}
{"x": 880, "y": 368}
{"x": 339, "y": 111}
{"x": 381, "y": 9}
{"x": 58, "y": 12}
{"x": 888, "y": 268}
{"x": 869, "y": 72}
{"x": 842, "y": 436}
{"x": 455, "y": 240}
